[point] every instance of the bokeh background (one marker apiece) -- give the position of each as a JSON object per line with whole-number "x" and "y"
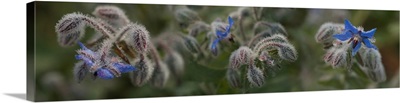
{"x": 54, "y": 64}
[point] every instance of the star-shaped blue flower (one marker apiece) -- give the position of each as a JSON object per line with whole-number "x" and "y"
{"x": 104, "y": 69}
{"x": 356, "y": 36}
{"x": 221, "y": 35}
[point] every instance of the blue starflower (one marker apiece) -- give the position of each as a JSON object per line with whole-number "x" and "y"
{"x": 103, "y": 68}
{"x": 221, "y": 35}
{"x": 356, "y": 36}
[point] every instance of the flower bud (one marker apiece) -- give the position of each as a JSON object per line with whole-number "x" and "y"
{"x": 276, "y": 38}
{"x": 233, "y": 77}
{"x": 139, "y": 38}
{"x": 198, "y": 27}
{"x": 80, "y": 71}
{"x": 191, "y": 44}
{"x": 175, "y": 63}
{"x": 373, "y": 63}
{"x": 186, "y": 16}
{"x": 286, "y": 51}
{"x": 70, "y": 29}
{"x": 234, "y": 61}
{"x": 340, "y": 58}
{"x": 112, "y": 14}
{"x": 244, "y": 54}
{"x": 326, "y": 32}
{"x": 144, "y": 72}
{"x": 255, "y": 76}
{"x": 160, "y": 75}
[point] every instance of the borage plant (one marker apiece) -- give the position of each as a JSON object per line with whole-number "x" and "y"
{"x": 118, "y": 46}
{"x": 259, "y": 54}
{"x": 345, "y": 45}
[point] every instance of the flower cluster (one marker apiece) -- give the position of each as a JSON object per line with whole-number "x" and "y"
{"x": 117, "y": 44}
{"x": 344, "y": 43}
{"x": 101, "y": 64}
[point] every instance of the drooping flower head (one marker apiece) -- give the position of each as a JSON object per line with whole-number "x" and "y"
{"x": 221, "y": 34}
{"x": 356, "y": 36}
{"x": 103, "y": 68}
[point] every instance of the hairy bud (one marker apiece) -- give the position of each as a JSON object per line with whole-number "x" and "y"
{"x": 233, "y": 77}
{"x": 326, "y": 32}
{"x": 198, "y": 27}
{"x": 144, "y": 72}
{"x": 186, "y": 16}
{"x": 191, "y": 43}
{"x": 139, "y": 38}
{"x": 80, "y": 71}
{"x": 112, "y": 14}
{"x": 175, "y": 63}
{"x": 286, "y": 51}
{"x": 244, "y": 54}
{"x": 160, "y": 75}
{"x": 234, "y": 62}
{"x": 255, "y": 76}
{"x": 374, "y": 67}
{"x": 70, "y": 29}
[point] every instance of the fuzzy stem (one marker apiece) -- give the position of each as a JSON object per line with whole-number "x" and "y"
{"x": 97, "y": 26}
{"x": 154, "y": 54}
{"x": 122, "y": 32}
{"x": 241, "y": 28}
{"x": 253, "y": 40}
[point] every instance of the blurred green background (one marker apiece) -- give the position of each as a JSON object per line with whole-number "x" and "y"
{"x": 54, "y": 64}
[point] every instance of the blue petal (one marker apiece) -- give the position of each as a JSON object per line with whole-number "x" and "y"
{"x": 349, "y": 26}
{"x": 221, "y": 34}
{"x": 368, "y": 34}
{"x": 344, "y": 36}
{"x": 355, "y": 49}
{"x": 124, "y": 68}
{"x": 230, "y": 20}
{"x": 214, "y": 46}
{"x": 228, "y": 28}
{"x": 87, "y": 61}
{"x": 369, "y": 44}
{"x": 82, "y": 46}
{"x": 104, "y": 73}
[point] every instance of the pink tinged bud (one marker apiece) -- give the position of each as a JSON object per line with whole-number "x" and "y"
{"x": 330, "y": 54}
{"x": 139, "y": 38}
{"x": 233, "y": 61}
{"x": 340, "y": 58}
{"x": 112, "y": 14}
{"x": 70, "y": 29}
{"x": 244, "y": 54}
{"x": 265, "y": 57}
{"x": 255, "y": 76}
{"x": 326, "y": 32}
